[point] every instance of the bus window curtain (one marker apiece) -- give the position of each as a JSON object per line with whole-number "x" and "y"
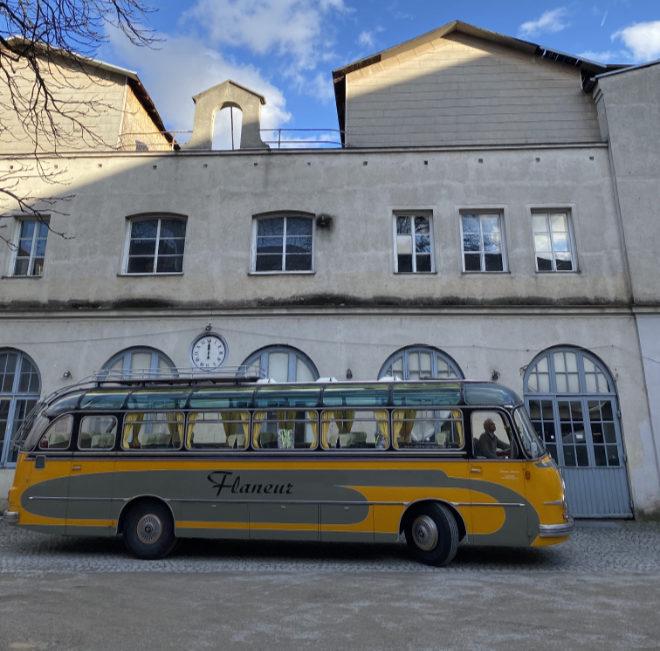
{"x": 403, "y": 422}
{"x": 344, "y": 419}
{"x": 257, "y": 424}
{"x": 383, "y": 428}
{"x": 458, "y": 425}
{"x": 132, "y": 426}
{"x": 327, "y": 417}
{"x": 192, "y": 419}
{"x": 175, "y": 427}
{"x": 312, "y": 417}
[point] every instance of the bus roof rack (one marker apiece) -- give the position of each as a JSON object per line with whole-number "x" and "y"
{"x": 172, "y": 376}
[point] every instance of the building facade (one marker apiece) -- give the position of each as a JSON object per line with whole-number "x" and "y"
{"x": 491, "y": 214}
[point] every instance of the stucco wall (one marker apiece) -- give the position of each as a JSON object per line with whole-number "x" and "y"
{"x": 459, "y": 90}
{"x": 138, "y": 131}
{"x": 91, "y": 100}
{"x": 354, "y": 259}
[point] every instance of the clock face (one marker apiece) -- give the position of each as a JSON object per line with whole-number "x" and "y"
{"x": 209, "y": 352}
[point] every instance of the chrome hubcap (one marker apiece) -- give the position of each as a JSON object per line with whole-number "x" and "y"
{"x": 425, "y": 533}
{"x": 149, "y": 529}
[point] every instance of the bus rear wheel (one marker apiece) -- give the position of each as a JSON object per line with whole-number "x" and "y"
{"x": 432, "y": 533}
{"x": 149, "y": 530}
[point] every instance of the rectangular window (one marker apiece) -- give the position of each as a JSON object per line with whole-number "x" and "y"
{"x": 155, "y": 246}
{"x": 208, "y": 430}
{"x": 350, "y": 428}
{"x": 553, "y": 244}
{"x": 428, "y": 429}
{"x": 413, "y": 243}
{"x": 483, "y": 242}
{"x": 283, "y": 244}
{"x": 31, "y": 247}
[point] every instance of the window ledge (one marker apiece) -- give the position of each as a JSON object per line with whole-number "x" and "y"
{"x": 33, "y": 277}
{"x": 149, "y": 275}
{"x": 281, "y": 273}
{"x": 486, "y": 273}
{"x": 415, "y": 273}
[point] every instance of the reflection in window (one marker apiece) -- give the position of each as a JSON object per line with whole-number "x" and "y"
{"x": 31, "y": 247}
{"x": 155, "y": 246}
{"x": 553, "y": 244}
{"x": 283, "y": 243}
{"x": 413, "y": 244}
{"x": 483, "y": 246}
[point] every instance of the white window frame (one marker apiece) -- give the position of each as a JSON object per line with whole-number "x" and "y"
{"x": 284, "y": 215}
{"x": 547, "y": 213}
{"x": 20, "y": 221}
{"x": 480, "y": 213}
{"x": 397, "y": 239}
{"x": 132, "y": 219}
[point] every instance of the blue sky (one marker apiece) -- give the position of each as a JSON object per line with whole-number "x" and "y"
{"x": 286, "y": 49}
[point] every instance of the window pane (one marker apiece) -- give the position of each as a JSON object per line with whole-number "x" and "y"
{"x": 299, "y": 226}
{"x": 170, "y": 264}
{"x": 470, "y": 224}
{"x": 298, "y": 244}
{"x": 564, "y": 262}
{"x": 296, "y": 262}
{"x": 560, "y": 242}
{"x": 269, "y": 262}
{"x": 471, "y": 241}
{"x": 539, "y": 224}
{"x": 472, "y": 262}
{"x": 142, "y": 247}
{"x": 490, "y": 223}
{"x": 493, "y": 262}
{"x": 492, "y": 242}
{"x": 544, "y": 263}
{"x": 140, "y": 265}
{"x": 21, "y": 266}
{"x": 558, "y": 223}
{"x": 144, "y": 228}
{"x": 171, "y": 247}
{"x": 541, "y": 243}
{"x": 172, "y": 228}
{"x": 423, "y": 263}
{"x": 272, "y": 226}
{"x": 403, "y": 225}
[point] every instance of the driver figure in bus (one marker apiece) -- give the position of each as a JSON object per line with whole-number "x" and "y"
{"x": 489, "y": 443}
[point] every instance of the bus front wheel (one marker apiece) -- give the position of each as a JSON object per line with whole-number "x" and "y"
{"x": 149, "y": 530}
{"x": 432, "y": 533}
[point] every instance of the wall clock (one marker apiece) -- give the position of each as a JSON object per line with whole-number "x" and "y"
{"x": 208, "y": 352}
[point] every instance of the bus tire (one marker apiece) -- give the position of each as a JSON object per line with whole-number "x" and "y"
{"x": 432, "y": 533}
{"x": 149, "y": 530}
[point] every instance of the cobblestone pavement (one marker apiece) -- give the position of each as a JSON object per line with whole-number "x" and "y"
{"x": 599, "y": 590}
{"x": 594, "y": 547}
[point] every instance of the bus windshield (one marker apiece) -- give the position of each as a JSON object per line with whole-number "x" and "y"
{"x": 531, "y": 443}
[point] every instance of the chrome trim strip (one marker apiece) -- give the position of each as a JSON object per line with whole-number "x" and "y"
{"x": 554, "y": 503}
{"x": 555, "y": 530}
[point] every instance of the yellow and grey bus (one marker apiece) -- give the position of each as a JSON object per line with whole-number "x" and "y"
{"x": 441, "y": 462}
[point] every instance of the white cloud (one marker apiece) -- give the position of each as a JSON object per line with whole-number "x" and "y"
{"x": 550, "y": 22}
{"x": 606, "y": 56}
{"x": 295, "y": 29}
{"x": 366, "y": 39}
{"x": 642, "y": 40}
{"x": 181, "y": 68}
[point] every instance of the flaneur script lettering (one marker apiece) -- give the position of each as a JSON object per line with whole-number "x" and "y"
{"x": 225, "y": 480}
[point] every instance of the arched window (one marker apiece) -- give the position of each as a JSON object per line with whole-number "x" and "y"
{"x": 140, "y": 361}
{"x": 419, "y": 362}
{"x": 571, "y": 398}
{"x": 281, "y": 363}
{"x": 20, "y": 387}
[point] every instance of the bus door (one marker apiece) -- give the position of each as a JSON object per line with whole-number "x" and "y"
{"x": 92, "y": 475}
{"x": 47, "y": 471}
{"x": 499, "y": 508}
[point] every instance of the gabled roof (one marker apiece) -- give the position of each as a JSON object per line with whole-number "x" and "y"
{"x": 131, "y": 76}
{"x": 589, "y": 69}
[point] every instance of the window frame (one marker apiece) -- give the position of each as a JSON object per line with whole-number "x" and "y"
{"x": 160, "y": 217}
{"x": 284, "y": 214}
{"x": 43, "y": 220}
{"x": 412, "y": 215}
{"x": 547, "y": 212}
{"x": 481, "y": 213}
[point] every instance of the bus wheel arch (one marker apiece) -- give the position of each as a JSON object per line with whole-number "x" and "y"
{"x": 147, "y": 526}
{"x": 433, "y": 530}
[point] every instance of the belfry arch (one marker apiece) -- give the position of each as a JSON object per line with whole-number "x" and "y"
{"x": 226, "y": 95}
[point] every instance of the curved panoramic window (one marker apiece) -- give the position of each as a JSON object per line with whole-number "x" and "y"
{"x": 155, "y": 244}
{"x": 139, "y": 361}
{"x": 280, "y": 363}
{"x": 420, "y": 362}
{"x": 20, "y": 386}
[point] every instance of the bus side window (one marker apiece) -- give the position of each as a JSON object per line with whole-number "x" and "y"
{"x": 429, "y": 429}
{"x": 153, "y": 430}
{"x": 285, "y": 429}
{"x": 58, "y": 434}
{"x": 97, "y": 432}
{"x": 351, "y": 428}
{"x": 217, "y": 429}
{"x": 485, "y": 426}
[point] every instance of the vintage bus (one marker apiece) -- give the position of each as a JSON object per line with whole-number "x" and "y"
{"x": 158, "y": 460}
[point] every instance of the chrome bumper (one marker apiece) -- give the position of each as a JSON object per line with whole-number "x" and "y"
{"x": 11, "y": 517}
{"x": 556, "y": 530}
